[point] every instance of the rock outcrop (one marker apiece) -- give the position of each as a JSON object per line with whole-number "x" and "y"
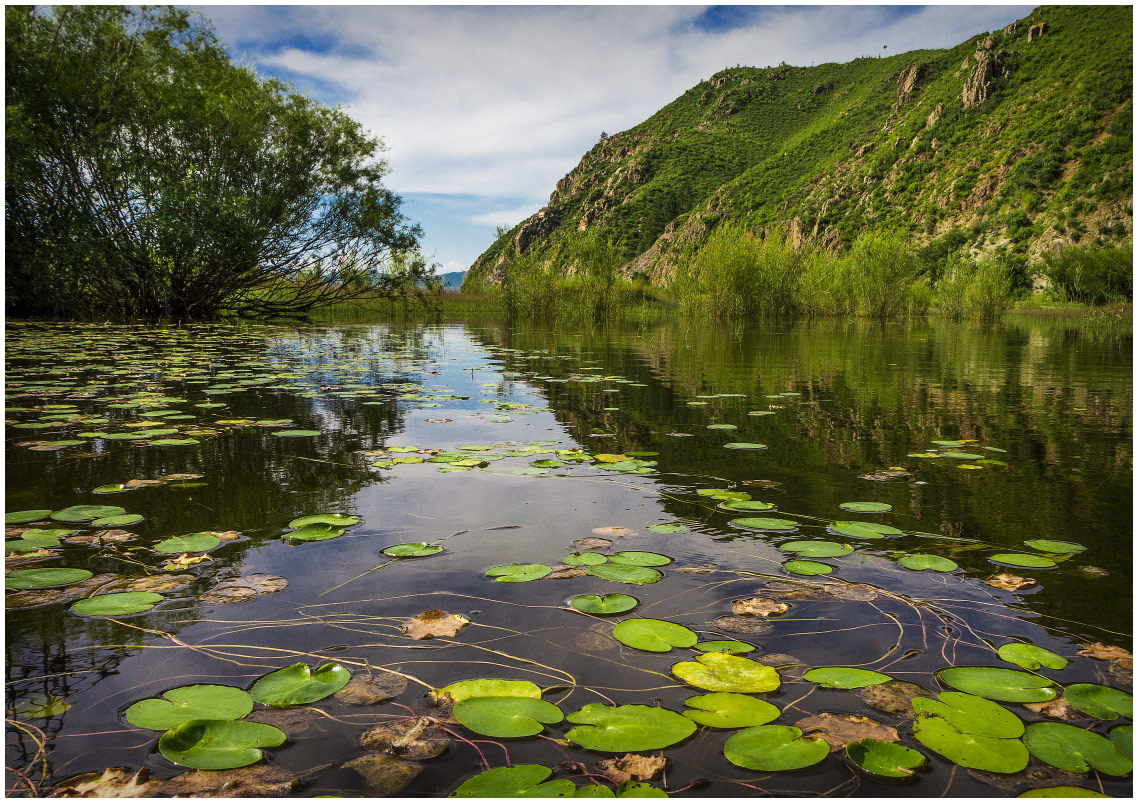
{"x": 909, "y": 80}
{"x": 978, "y": 85}
{"x": 1036, "y": 31}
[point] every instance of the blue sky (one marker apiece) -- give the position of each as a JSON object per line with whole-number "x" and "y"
{"x": 484, "y": 108}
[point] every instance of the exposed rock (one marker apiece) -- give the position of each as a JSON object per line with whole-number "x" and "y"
{"x": 1012, "y": 29}
{"x": 989, "y": 42}
{"x": 1036, "y": 31}
{"x": 979, "y": 82}
{"x": 934, "y": 115}
{"x": 908, "y": 81}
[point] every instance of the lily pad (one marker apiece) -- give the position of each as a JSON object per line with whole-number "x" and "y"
{"x": 25, "y": 516}
{"x": 295, "y": 433}
{"x": 748, "y": 505}
{"x": 971, "y": 714}
{"x": 490, "y": 687}
{"x": 865, "y": 507}
{"x": 329, "y": 519}
{"x": 734, "y": 647}
{"x": 884, "y": 759}
{"x": 1101, "y": 702}
{"x": 768, "y": 524}
{"x": 962, "y": 455}
{"x": 845, "y": 677}
{"x": 743, "y": 445}
{"x": 212, "y": 744}
{"x": 721, "y": 671}
{"x": 584, "y": 559}
{"x": 774, "y": 748}
{"x": 523, "y": 780}
{"x": 45, "y": 577}
{"x": 1061, "y": 791}
{"x": 1074, "y": 749}
{"x": 728, "y": 710}
{"x": 863, "y": 529}
{"x": 417, "y": 549}
{"x": 920, "y": 563}
{"x": 634, "y": 575}
{"x": 1030, "y": 656}
{"x": 653, "y": 635}
{"x": 1122, "y": 738}
{"x": 195, "y": 542}
{"x": 627, "y": 728}
{"x": 639, "y": 559}
{"x": 518, "y": 572}
{"x": 315, "y": 532}
{"x": 608, "y": 605}
{"x": 1055, "y": 547}
{"x": 189, "y": 702}
{"x": 1022, "y": 560}
{"x": 667, "y": 528}
{"x": 816, "y": 549}
{"x": 299, "y": 685}
{"x": 507, "y": 717}
{"x": 117, "y": 604}
{"x": 995, "y": 683}
{"x": 81, "y": 513}
{"x": 807, "y": 568}
{"x": 970, "y": 750}
{"x": 124, "y": 520}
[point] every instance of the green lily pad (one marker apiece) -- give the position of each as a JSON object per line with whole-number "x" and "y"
{"x": 124, "y": 520}
{"x": 81, "y": 513}
{"x": 608, "y": 605}
{"x": 627, "y": 728}
{"x": 995, "y": 683}
{"x": 584, "y": 559}
{"x": 518, "y": 572}
{"x": 667, "y": 528}
{"x": 728, "y": 710}
{"x": 32, "y": 541}
{"x": 816, "y": 549}
{"x": 653, "y": 635}
{"x": 1030, "y": 657}
{"x": 329, "y": 519}
{"x": 1022, "y": 560}
{"x": 774, "y": 748}
{"x": 315, "y": 532}
{"x": 299, "y": 685}
{"x": 45, "y": 706}
{"x": 634, "y": 575}
{"x": 1055, "y": 547}
{"x": 884, "y": 759}
{"x": 173, "y": 441}
{"x": 212, "y": 744}
{"x": 295, "y": 433}
{"x": 962, "y": 455}
{"x": 748, "y": 505}
{"x": 523, "y": 780}
{"x": 807, "y": 568}
{"x": 863, "y": 529}
{"x": 970, "y": 750}
{"x": 721, "y": 426}
{"x": 189, "y": 702}
{"x": 721, "y": 671}
{"x": 506, "y": 717}
{"x": 117, "y": 604}
{"x": 417, "y": 549}
{"x": 1061, "y": 791}
{"x": 490, "y": 687}
{"x": 1074, "y": 749}
{"x": 639, "y": 559}
{"x": 1122, "y": 738}
{"x": 44, "y": 577}
{"x": 971, "y": 714}
{"x": 1101, "y": 702}
{"x": 865, "y": 507}
{"x": 733, "y": 647}
{"x": 769, "y": 524}
{"x": 25, "y": 516}
{"x": 194, "y": 542}
{"x": 845, "y": 677}
{"x": 920, "y": 563}
{"x": 744, "y": 446}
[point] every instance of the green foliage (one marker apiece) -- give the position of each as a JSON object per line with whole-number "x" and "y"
{"x": 1099, "y": 275}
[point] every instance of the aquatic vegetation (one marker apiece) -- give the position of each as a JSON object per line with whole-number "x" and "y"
{"x": 300, "y": 684}
{"x": 186, "y": 703}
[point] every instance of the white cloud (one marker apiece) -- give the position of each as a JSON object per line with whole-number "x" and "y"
{"x": 505, "y": 217}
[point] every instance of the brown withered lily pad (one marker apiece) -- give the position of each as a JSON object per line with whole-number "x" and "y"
{"x": 592, "y": 543}
{"x": 417, "y": 739}
{"x": 104, "y": 536}
{"x": 1103, "y": 652}
{"x": 24, "y": 558}
{"x": 111, "y": 782}
{"x": 1009, "y": 582}
{"x": 34, "y": 597}
{"x": 384, "y": 776}
{"x": 260, "y": 780}
{"x": 793, "y": 591}
{"x": 853, "y": 592}
{"x": 1057, "y": 709}
{"x": 243, "y": 589}
{"x": 180, "y": 477}
{"x": 432, "y": 624}
{"x": 884, "y": 474}
{"x": 707, "y": 568}
{"x": 614, "y": 532}
{"x": 292, "y": 721}
{"x": 223, "y": 535}
{"x": 1122, "y": 670}
{"x": 893, "y": 697}
{"x": 787, "y": 666}
{"x": 838, "y": 730}
{"x": 566, "y": 572}
{"x": 185, "y": 560}
{"x": 1094, "y": 571}
{"x": 1039, "y": 775}
{"x": 143, "y": 483}
{"x": 597, "y": 638}
{"x": 370, "y": 691}
{"x": 758, "y": 606}
{"x": 438, "y": 420}
{"x": 741, "y": 624}
{"x": 632, "y": 767}
{"x": 156, "y": 584}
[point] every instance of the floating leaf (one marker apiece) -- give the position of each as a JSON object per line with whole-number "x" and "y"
{"x": 1023, "y": 561}
{"x": 295, "y": 433}
{"x": 506, "y": 717}
{"x": 195, "y": 542}
{"x": 894, "y": 697}
{"x": 728, "y": 710}
{"x": 329, "y": 519}
{"x": 734, "y": 647}
{"x": 46, "y": 706}
{"x": 962, "y": 455}
{"x": 211, "y": 744}
{"x": 383, "y": 775}
{"x": 863, "y": 529}
{"x": 749, "y": 505}
{"x": 639, "y": 559}
{"x": 838, "y": 730}
{"x": 634, "y": 575}
{"x": 744, "y": 446}
{"x": 807, "y": 568}
{"x": 584, "y": 559}
{"x": 1055, "y": 547}
{"x": 1009, "y": 582}
{"x": 626, "y": 728}
{"x": 1008, "y": 685}
{"x": 189, "y": 702}
{"x": 969, "y": 749}
{"x": 416, "y": 739}
{"x": 1101, "y": 702}
{"x": 608, "y": 605}
{"x": 768, "y": 524}
{"x": 721, "y": 671}
{"x": 81, "y": 513}
{"x": 1030, "y": 656}
{"x": 774, "y": 748}
{"x": 45, "y": 577}
{"x": 244, "y": 589}
{"x": 523, "y": 780}
{"x": 632, "y": 767}
{"x": 1074, "y": 749}
{"x": 971, "y": 714}
{"x": 432, "y": 624}
{"x": 118, "y": 604}
{"x": 865, "y": 507}
{"x": 315, "y": 532}
{"x": 300, "y": 685}
{"x": 1105, "y": 653}
{"x": 613, "y": 532}
{"x": 417, "y": 549}
{"x": 816, "y": 549}
{"x": 758, "y": 606}
{"x": 519, "y": 572}
{"x": 25, "y": 516}
{"x": 845, "y": 677}
{"x": 1122, "y": 738}
{"x": 653, "y": 635}
{"x": 667, "y": 528}
{"x": 884, "y": 759}
{"x": 1061, "y": 791}
{"x": 490, "y": 687}
{"x": 920, "y": 563}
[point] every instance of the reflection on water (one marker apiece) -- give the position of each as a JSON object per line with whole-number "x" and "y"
{"x": 841, "y": 409}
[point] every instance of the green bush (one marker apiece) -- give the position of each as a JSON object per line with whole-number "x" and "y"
{"x": 1097, "y": 275}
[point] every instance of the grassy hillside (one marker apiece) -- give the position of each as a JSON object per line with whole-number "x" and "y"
{"x": 1012, "y": 143}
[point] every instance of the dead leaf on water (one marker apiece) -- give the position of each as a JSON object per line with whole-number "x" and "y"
{"x": 291, "y": 720}
{"x": 853, "y": 592}
{"x": 243, "y": 589}
{"x": 838, "y": 730}
{"x": 707, "y": 568}
{"x": 789, "y": 667}
{"x": 370, "y": 691}
{"x": 742, "y": 624}
{"x": 156, "y": 584}
{"x": 416, "y": 739}
{"x": 893, "y": 697}
{"x": 111, "y": 782}
{"x": 632, "y": 767}
{"x": 566, "y": 572}
{"x": 384, "y": 776}
{"x": 592, "y": 543}
{"x": 105, "y": 536}
{"x": 1009, "y": 582}
{"x": 614, "y": 532}
{"x": 1094, "y": 571}
{"x": 597, "y": 638}
{"x": 45, "y": 596}
{"x": 1039, "y": 775}
{"x": 430, "y": 624}
{"x": 260, "y": 780}
{"x": 793, "y": 591}
{"x": 1122, "y": 670}
{"x": 1104, "y": 652}
{"x": 1057, "y": 709}
{"x": 758, "y": 606}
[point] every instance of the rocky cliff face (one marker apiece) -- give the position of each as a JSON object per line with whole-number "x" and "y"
{"x": 1017, "y": 140}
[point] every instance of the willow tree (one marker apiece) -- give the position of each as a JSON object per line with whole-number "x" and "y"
{"x": 149, "y": 175}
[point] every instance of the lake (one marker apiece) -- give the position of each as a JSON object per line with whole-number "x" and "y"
{"x": 799, "y": 500}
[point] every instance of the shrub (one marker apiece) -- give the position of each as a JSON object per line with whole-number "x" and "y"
{"x": 1096, "y": 275}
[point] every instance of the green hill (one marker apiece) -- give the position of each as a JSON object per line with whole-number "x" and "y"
{"x": 1013, "y": 142}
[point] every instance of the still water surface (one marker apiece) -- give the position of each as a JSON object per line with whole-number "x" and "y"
{"x": 846, "y": 412}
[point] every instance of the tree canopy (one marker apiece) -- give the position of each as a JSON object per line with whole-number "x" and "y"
{"x": 149, "y": 175}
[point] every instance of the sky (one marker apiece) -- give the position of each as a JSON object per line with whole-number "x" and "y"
{"x": 483, "y": 108}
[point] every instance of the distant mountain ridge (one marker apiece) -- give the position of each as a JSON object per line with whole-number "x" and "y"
{"x": 453, "y": 279}
{"x": 1015, "y": 141}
